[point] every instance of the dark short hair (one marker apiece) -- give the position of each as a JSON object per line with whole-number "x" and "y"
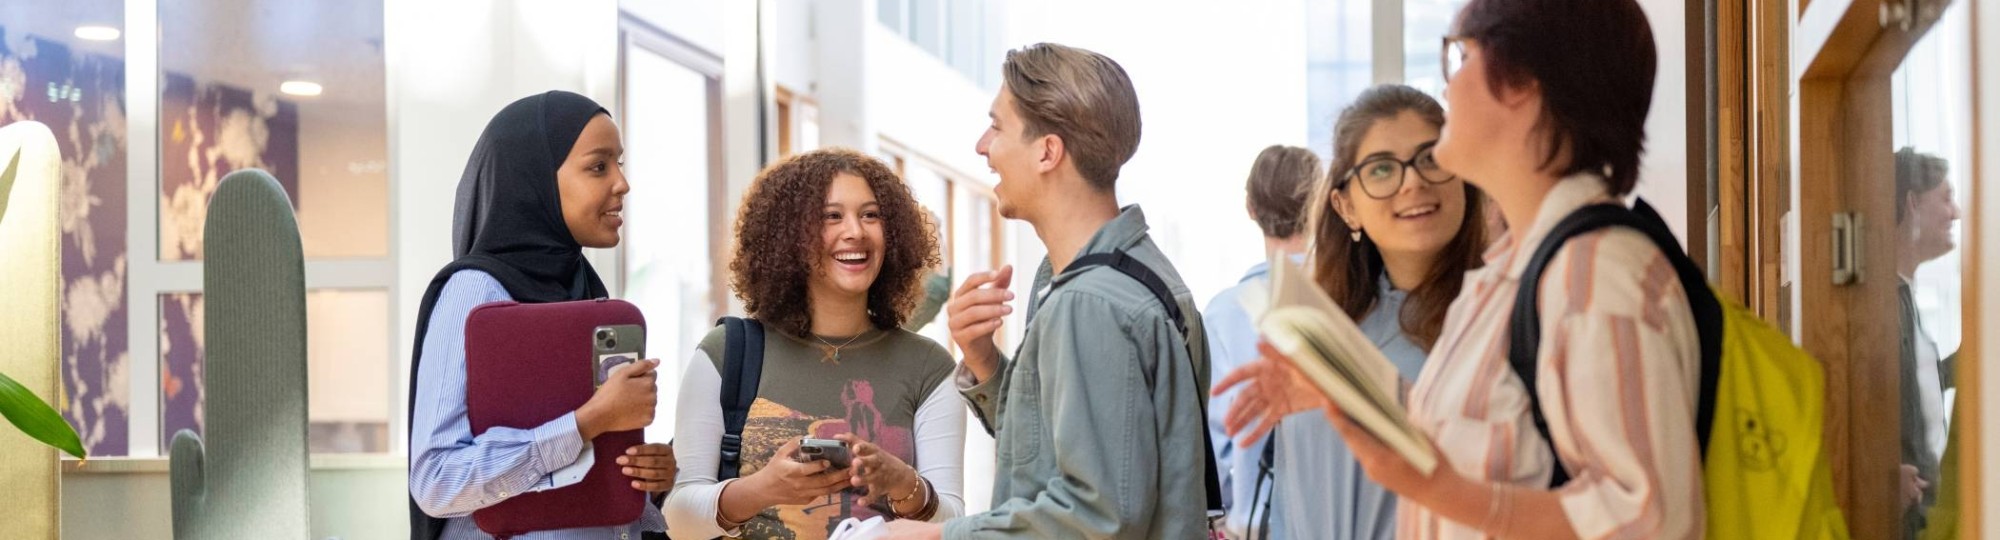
{"x": 1279, "y": 182}
{"x": 1082, "y": 97}
{"x": 1915, "y": 173}
{"x": 1595, "y": 63}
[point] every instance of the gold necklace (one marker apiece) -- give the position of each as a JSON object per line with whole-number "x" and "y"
{"x": 836, "y": 348}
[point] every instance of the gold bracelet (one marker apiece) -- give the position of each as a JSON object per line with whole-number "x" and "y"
{"x": 913, "y": 492}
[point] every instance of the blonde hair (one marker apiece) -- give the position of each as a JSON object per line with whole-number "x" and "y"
{"x": 1081, "y": 97}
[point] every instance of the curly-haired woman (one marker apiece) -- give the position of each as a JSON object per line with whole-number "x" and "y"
{"x": 831, "y": 254}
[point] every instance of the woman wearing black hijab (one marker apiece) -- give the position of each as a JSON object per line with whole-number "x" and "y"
{"x": 543, "y": 182}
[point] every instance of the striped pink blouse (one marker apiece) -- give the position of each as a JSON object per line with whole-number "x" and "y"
{"x": 1618, "y": 371}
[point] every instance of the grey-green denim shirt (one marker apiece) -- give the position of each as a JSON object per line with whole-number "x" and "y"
{"x": 1097, "y": 417}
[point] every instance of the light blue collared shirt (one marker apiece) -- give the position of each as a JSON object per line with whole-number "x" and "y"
{"x": 1321, "y": 491}
{"x": 453, "y": 473}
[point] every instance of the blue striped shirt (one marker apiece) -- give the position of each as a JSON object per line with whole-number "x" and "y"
{"x": 453, "y": 473}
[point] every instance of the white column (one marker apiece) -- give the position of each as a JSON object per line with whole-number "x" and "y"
{"x": 841, "y": 29}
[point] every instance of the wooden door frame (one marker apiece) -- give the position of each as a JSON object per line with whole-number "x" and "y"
{"x": 1842, "y": 118}
{"x": 1752, "y": 154}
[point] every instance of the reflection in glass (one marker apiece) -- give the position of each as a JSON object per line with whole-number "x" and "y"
{"x": 75, "y": 84}
{"x": 1931, "y": 133}
{"x": 224, "y": 64}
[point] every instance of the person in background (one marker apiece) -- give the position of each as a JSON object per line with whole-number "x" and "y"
{"x": 831, "y": 253}
{"x": 1925, "y": 216}
{"x": 543, "y": 182}
{"x": 1276, "y": 200}
{"x": 1548, "y": 102}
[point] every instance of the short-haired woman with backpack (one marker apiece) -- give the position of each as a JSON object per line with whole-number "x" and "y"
{"x": 1548, "y": 102}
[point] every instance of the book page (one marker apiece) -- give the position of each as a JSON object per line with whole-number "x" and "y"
{"x": 1332, "y": 352}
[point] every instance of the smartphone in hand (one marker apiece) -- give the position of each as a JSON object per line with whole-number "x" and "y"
{"x": 831, "y": 450}
{"x": 613, "y": 346}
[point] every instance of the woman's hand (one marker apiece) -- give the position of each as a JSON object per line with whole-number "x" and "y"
{"x": 1271, "y": 390}
{"x": 651, "y": 466}
{"x": 884, "y": 475}
{"x": 625, "y": 402}
{"x": 786, "y": 480}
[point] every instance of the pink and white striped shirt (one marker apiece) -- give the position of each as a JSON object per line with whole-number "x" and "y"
{"x": 1618, "y": 372}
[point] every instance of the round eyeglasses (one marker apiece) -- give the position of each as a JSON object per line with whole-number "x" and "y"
{"x": 1382, "y": 176}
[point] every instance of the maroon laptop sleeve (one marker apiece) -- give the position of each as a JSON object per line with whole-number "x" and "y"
{"x": 527, "y": 364}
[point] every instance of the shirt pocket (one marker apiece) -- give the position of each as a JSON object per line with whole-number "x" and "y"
{"x": 1021, "y": 429}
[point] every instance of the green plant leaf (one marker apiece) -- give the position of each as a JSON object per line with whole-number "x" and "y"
{"x": 7, "y": 182}
{"x": 36, "y": 419}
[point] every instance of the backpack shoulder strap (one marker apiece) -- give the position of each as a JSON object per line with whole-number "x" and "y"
{"x": 1131, "y": 267}
{"x": 742, "y": 368}
{"x": 1524, "y": 326}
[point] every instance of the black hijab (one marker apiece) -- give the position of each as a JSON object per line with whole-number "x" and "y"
{"x": 507, "y": 221}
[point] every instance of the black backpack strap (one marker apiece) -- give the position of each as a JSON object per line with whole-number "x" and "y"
{"x": 1129, "y": 266}
{"x": 1267, "y": 467}
{"x": 1524, "y": 328}
{"x": 742, "y": 368}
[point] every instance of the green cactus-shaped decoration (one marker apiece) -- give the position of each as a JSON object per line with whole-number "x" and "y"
{"x": 246, "y": 477}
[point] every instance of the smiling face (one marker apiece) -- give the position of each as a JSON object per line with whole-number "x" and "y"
{"x": 1421, "y": 218}
{"x": 1017, "y": 158}
{"x": 591, "y": 184}
{"x": 850, "y": 255}
{"x": 1932, "y": 214}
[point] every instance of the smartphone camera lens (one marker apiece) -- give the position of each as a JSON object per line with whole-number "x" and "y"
{"x": 603, "y": 334}
{"x": 610, "y": 343}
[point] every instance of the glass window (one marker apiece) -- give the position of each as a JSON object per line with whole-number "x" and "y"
{"x": 350, "y": 392}
{"x": 181, "y": 350}
{"x": 890, "y": 12}
{"x": 1337, "y": 64}
{"x": 347, "y": 359}
{"x": 669, "y": 160}
{"x": 62, "y": 64}
{"x": 1425, "y": 22}
{"x": 292, "y": 87}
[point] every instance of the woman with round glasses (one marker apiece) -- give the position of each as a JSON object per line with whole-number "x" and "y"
{"x": 1548, "y": 105}
{"x": 1392, "y": 236}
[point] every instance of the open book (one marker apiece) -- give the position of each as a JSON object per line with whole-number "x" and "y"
{"x": 1327, "y": 347}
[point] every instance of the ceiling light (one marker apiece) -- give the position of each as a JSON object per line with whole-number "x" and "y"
{"x": 300, "y": 88}
{"x": 97, "y": 33}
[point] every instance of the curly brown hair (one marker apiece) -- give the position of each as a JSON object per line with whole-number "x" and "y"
{"x": 780, "y": 219}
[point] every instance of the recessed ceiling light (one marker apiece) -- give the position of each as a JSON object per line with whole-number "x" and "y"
{"x": 97, "y": 33}
{"x": 300, "y": 88}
